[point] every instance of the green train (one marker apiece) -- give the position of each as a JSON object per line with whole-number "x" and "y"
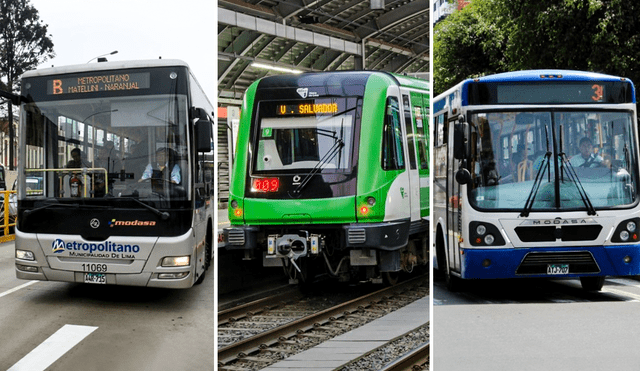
{"x": 331, "y": 176}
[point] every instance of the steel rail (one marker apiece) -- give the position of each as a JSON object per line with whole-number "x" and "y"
{"x": 412, "y": 360}
{"x": 256, "y": 306}
{"x": 249, "y": 345}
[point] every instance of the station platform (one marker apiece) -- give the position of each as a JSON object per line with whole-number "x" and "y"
{"x": 342, "y": 349}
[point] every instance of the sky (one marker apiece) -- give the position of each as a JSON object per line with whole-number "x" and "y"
{"x": 137, "y": 29}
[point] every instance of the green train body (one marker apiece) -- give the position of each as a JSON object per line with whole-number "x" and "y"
{"x": 325, "y": 178}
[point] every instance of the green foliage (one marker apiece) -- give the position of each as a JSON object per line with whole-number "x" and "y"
{"x": 591, "y": 35}
{"x": 24, "y": 43}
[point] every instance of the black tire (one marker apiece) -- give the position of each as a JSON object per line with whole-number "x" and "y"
{"x": 592, "y": 283}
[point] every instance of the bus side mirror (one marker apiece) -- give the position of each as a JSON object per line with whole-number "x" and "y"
{"x": 204, "y": 135}
{"x": 459, "y": 142}
{"x": 463, "y": 176}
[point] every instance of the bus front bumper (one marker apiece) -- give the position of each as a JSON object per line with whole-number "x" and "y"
{"x": 617, "y": 260}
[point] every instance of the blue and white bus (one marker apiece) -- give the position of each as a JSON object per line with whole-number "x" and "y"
{"x": 120, "y": 151}
{"x": 536, "y": 175}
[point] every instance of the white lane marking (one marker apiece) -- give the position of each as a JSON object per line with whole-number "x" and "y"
{"x": 625, "y": 281}
{"x": 17, "y": 288}
{"x": 634, "y": 297}
{"x": 45, "y": 354}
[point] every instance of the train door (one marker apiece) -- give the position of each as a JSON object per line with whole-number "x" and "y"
{"x": 414, "y": 178}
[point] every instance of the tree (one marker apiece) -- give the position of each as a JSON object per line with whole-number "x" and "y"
{"x": 24, "y": 45}
{"x": 468, "y": 43}
{"x": 505, "y": 35}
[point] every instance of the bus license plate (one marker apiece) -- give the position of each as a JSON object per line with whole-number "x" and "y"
{"x": 557, "y": 268}
{"x": 98, "y": 278}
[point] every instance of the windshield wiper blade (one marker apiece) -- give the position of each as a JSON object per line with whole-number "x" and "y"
{"x": 528, "y": 205}
{"x": 333, "y": 151}
{"x": 162, "y": 214}
{"x": 26, "y": 213}
{"x": 571, "y": 174}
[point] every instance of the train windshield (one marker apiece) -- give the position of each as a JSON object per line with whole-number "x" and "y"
{"x": 128, "y": 146}
{"x": 553, "y": 160}
{"x": 311, "y": 135}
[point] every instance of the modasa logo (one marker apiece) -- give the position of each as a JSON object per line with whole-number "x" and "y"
{"x": 131, "y": 223}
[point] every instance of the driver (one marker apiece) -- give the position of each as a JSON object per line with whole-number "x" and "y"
{"x": 165, "y": 159}
{"x": 586, "y": 157}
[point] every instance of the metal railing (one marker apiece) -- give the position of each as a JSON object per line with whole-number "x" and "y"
{"x": 8, "y": 219}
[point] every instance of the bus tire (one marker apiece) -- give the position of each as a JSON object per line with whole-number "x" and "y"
{"x": 592, "y": 283}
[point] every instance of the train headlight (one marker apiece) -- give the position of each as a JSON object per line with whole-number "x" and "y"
{"x": 481, "y": 229}
{"x": 234, "y": 204}
{"x": 489, "y": 239}
{"x": 631, "y": 226}
{"x": 176, "y": 261}
{"x": 624, "y": 235}
{"x": 25, "y": 255}
{"x": 371, "y": 201}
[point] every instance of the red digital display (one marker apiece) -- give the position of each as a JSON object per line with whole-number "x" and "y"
{"x": 266, "y": 184}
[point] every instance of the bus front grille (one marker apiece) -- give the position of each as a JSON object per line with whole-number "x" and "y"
{"x": 564, "y": 233}
{"x": 578, "y": 261}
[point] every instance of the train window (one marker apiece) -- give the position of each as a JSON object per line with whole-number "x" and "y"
{"x": 392, "y": 148}
{"x": 421, "y": 138}
{"x": 406, "y": 107}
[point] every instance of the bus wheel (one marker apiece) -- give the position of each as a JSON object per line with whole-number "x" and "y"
{"x": 592, "y": 283}
{"x": 391, "y": 278}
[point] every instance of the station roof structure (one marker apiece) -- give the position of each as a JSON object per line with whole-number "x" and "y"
{"x": 257, "y": 36}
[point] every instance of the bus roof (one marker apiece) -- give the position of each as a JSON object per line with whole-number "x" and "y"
{"x": 103, "y": 66}
{"x": 543, "y": 75}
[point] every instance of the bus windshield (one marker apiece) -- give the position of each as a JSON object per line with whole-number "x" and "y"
{"x": 552, "y": 160}
{"x": 111, "y": 146}
{"x": 310, "y": 135}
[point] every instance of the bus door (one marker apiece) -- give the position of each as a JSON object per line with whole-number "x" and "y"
{"x": 453, "y": 204}
{"x": 414, "y": 178}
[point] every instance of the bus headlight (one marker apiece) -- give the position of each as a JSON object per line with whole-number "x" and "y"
{"x": 25, "y": 255}
{"x": 489, "y": 239}
{"x": 627, "y": 231}
{"x": 624, "y": 235}
{"x": 485, "y": 234}
{"x": 631, "y": 226}
{"x": 176, "y": 261}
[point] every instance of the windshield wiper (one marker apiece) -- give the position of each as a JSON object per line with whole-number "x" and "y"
{"x": 162, "y": 214}
{"x": 571, "y": 174}
{"x": 528, "y": 205}
{"x": 26, "y": 213}
{"x": 333, "y": 151}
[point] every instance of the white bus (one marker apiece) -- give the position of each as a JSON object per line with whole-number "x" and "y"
{"x": 536, "y": 175}
{"x": 126, "y": 195}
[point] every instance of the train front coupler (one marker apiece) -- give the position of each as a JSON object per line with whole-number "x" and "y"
{"x": 294, "y": 246}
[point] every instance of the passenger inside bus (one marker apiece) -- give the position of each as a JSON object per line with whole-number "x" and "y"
{"x": 165, "y": 159}
{"x": 586, "y": 157}
{"x": 77, "y": 161}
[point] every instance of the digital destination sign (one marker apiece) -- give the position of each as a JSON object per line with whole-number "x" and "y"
{"x": 306, "y": 109}
{"x": 99, "y": 83}
{"x": 557, "y": 92}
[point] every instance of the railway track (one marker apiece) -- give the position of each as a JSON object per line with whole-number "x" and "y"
{"x": 274, "y": 334}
